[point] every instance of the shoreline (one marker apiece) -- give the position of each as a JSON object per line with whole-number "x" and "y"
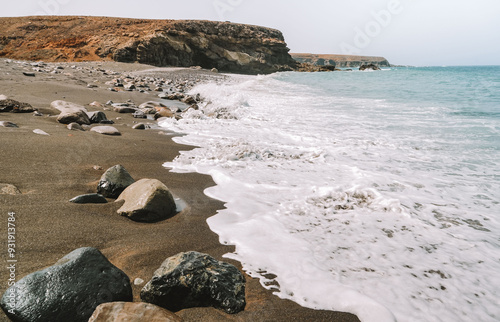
{"x": 50, "y": 170}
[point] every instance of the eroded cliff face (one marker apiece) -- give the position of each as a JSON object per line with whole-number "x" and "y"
{"x": 340, "y": 61}
{"x": 229, "y": 47}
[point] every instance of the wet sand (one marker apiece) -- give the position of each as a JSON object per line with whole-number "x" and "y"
{"x": 50, "y": 170}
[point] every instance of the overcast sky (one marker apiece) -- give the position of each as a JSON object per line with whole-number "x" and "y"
{"x": 414, "y": 32}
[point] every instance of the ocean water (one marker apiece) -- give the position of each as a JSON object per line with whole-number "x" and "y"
{"x": 375, "y": 193}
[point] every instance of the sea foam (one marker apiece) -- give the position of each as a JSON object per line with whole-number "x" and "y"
{"x": 364, "y": 205}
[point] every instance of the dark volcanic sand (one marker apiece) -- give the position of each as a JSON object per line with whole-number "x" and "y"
{"x": 50, "y": 170}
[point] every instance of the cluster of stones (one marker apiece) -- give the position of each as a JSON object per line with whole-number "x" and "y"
{"x": 50, "y": 68}
{"x": 85, "y": 286}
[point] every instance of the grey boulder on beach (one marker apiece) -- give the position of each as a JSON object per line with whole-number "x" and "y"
{"x": 194, "y": 279}
{"x": 114, "y": 181}
{"x": 147, "y": 200}
{"x": 70, "y": 112}
{"x": 70, "y": 290}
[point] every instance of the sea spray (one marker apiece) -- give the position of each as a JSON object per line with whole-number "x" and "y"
{"x": 348, "y": 191}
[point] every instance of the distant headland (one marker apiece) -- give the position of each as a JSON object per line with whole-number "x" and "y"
{"x": 340, "y": 61}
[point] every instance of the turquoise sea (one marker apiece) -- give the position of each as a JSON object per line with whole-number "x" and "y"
{"x": 376, "y": 193}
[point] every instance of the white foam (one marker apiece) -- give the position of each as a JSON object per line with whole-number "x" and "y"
{"x": 348, "y": 204}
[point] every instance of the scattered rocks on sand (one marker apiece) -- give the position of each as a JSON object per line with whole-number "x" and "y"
{"x": 29, "y": 74}
{"x": 114, "y": 181}
{"x": 106, "y": 130}
{"x": 89, "y": 198}
{"x": 70, "y": 290}
{"x": 71, "y": 112}
{"x": 194, "y": 279}
{"x": 8, "y": 189}
{"x": 10, "y": 105}
{"x": 147, "y": 200}
{"x": 75, "y": 127}
{"x": 8, "y": 124}
{"x": 132, "y": 312}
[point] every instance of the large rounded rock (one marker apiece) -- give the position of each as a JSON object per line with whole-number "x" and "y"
{"x": 147, "y": 200}
{"x": 132, "y": 312}
{"x": 68, "y": 291}
{"x": 71, "y": 112}
{"x": 114, "y": 181}
{"x": 194, "y": 279}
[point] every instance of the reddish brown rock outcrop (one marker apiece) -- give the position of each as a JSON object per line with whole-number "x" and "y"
{"x": 228, "y": 47}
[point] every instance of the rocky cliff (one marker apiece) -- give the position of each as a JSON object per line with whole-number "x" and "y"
{"x": 340, "y": 61}
{"x": 229, "y": 47}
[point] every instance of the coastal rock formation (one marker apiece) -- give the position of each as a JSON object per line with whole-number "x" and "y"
{"x": 68, "y": 291}
{"x": 147, "y": 200}
{"x": 132, "y": 312}
{"x": 194, "y": 279}
{"x": 311, "y": 68}
{"x": 114, "y": 181}
{"x": 369, "y": 67}
{"x": 340, "y": 61}
{"x": 225, "y": 46}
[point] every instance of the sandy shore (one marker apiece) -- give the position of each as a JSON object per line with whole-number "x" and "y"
{"x": 50, "y": 170}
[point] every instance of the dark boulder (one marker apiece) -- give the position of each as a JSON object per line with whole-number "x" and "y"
{"x": 97, "y": 117}
{"x": 114, "y": 181}
{"x": 68, "y": 291}
{"x": 196, "y": 280}
{"x": 369, "y": 67}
